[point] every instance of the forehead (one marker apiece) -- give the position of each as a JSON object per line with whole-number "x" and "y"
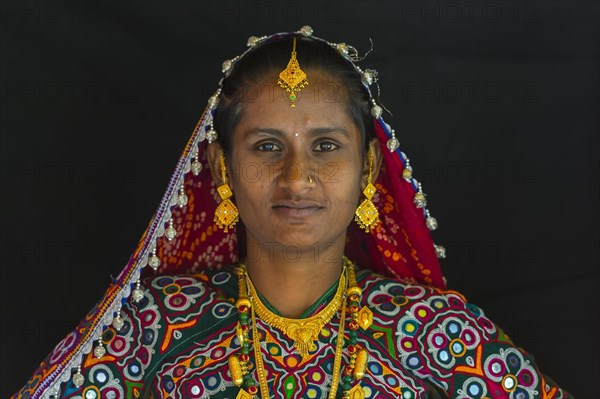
{"x": 322, "y": 103}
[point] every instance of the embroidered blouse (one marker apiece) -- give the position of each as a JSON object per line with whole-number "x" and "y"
{"x": 423, "y": 343}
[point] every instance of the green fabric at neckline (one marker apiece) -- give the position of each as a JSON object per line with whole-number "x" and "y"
{"x": 325, "y": 298}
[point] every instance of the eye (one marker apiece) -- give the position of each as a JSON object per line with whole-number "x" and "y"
{"x": 326, "y": 146}
{"x": 268, "y": 147}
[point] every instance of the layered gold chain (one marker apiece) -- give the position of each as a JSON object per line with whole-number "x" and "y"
{"x": 302, "y": 331}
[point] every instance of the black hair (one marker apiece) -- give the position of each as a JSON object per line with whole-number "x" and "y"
{"x": 264, "y": 62}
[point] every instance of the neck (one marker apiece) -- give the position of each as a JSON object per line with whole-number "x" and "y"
{"x": 293, "y": 278}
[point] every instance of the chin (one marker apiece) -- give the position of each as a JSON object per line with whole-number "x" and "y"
{"x": 308, "y": 240}
{"x": 300, "y": 242}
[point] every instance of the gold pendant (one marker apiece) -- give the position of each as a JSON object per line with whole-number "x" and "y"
{"x": 365, "y": 318}
{"x": 304, "y": 334}
{"x": 235, "y": 368}
{"x": 356, "y": 392}
{"x": 292, "y": 79}
{"x": 366, "y": 214}
{"x": 360, "y": 365}
{"x": 245, "y": 395}
{"x": 302, "y": 331}
{"x": 226, "y": 214}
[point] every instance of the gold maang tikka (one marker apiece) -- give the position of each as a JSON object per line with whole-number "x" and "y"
{"x": 292, "y": 79}
{"x": 226, "y": 214}
{"x": 366, "y": 214}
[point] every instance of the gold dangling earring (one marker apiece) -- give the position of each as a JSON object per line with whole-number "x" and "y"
{"x": 366, "y": 214}
{"x": 226, "y": 214}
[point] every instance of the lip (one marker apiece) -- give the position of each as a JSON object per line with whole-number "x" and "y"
{"x": 296, "y": 208}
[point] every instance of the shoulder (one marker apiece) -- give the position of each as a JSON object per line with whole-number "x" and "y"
{"x": 417, "y": 308}
{"x": 188, "y": 288}
{"x": 438, "y": 335}
{"x": 174, "y": 300}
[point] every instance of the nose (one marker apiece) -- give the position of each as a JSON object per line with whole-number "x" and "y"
{"x": 297, "y": 175}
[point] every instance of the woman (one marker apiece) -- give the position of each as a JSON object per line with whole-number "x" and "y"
{"x": 293, "y": 258}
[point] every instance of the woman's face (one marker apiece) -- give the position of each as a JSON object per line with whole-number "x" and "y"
{"x": 297, "y": 173}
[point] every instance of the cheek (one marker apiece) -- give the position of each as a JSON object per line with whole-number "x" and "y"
{"x": 250, "y": 185}
{"x": 344, "y": 186}
{"x": 248, "y": 176}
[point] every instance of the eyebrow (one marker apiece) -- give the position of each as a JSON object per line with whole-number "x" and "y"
{"x": 314, "y": 132}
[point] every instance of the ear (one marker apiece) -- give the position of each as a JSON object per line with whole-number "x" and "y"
{"x": 214, "y": 162}
{"x": 377, "y": 157}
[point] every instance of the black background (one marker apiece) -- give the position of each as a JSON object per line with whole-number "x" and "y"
{"x": 496, "y": 104}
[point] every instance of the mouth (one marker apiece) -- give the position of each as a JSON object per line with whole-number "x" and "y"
{"x": 296, "y": 209}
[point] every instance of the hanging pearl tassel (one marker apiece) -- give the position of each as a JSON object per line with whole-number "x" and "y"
{"x": 154, "y": 261}
{"x": 431, "y": 223}
{"x": 306, "y": 30}
{"x": 368, "y": 77}
{"x": 211, "y": 135}
{"x": 252, "y": 41}
{"x": 182, "y": 199}
{"x": 393, "y": 143}
{"x": 440, "y": 251}
{"x": 170, "y": 232}
{"x": 137, "y": 294}
{"x": 407, "y": 172}
{"x": 376, "y": 111}
{"x": 99, "y": 350}
{"x": 78, "y": 378}
{"x": 343, "y": 49}
{"x": 419, "y": 200}
{"x": 213, "y": 101}
{"x": 226, "y": 67}
{"x": 118, "y": 320}
{"x": 196, "y": 165}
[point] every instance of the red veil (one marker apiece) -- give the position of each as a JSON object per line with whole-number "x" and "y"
{"x": 401, "y": 246}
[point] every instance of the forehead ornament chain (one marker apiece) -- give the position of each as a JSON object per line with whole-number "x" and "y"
{"x": 292, "y": 79}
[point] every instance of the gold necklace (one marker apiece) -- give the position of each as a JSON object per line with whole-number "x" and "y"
{"x": 302, "y": 331}
{"x": 337, "y": 362}
{"x": 239, "y": 364}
